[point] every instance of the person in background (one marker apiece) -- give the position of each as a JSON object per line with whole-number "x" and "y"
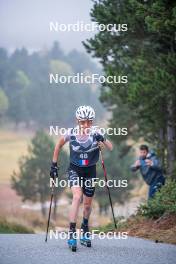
{"x": 150, "y": 169}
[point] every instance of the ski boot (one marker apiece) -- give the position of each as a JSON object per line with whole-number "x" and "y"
{"x": 85, "y": 236}
{"x": 72, "y": 243}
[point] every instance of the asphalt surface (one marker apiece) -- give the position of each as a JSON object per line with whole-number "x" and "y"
{"x": 31, "y": 249}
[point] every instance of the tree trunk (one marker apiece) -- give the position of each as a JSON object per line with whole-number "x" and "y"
{"x": 171, "y": 137}
{"x": 161, "y": 147}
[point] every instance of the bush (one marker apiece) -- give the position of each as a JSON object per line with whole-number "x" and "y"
{"x": 13, "y": 228}
{"x": 164, "y": 201}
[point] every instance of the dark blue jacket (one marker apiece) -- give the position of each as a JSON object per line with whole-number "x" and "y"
{"x": 152, "y": 173}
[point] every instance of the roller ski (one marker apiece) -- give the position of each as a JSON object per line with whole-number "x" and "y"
{"x": 72, "y": 242}
{"x": 85, "y": 236}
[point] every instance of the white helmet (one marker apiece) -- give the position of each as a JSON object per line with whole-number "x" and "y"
{"x": 85, "y": 112}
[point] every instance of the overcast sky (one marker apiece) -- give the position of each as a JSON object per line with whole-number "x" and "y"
{"x": 26, "y": 23}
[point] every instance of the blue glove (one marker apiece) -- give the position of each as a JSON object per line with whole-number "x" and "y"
{"x": 54, "y": 170}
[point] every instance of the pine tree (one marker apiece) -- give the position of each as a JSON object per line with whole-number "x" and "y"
{"x": 146, "y": 54}
{"x": 32, "y": 181}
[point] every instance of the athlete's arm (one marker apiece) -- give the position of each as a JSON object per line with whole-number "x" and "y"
{"x": 108, "y": 144}
{"x": 102, "y": 140}
{"x": 58, "y": 148}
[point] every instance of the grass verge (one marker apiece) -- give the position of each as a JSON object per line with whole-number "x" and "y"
{"x": 161, "y": 230}
{"x": 13, "y": 228}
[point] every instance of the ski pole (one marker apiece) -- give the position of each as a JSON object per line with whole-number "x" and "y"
{"x": 52, "y": 194}
{"x": 109, "y": 194}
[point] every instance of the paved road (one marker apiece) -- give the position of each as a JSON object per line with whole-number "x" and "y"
{"x": 31, "y": 249}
